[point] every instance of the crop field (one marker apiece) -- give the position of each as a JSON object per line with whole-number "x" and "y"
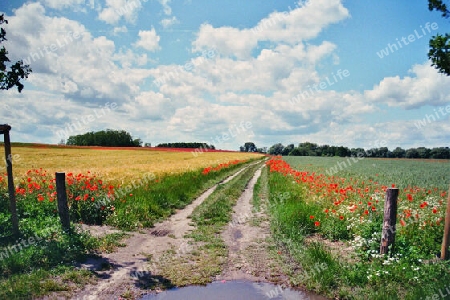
{"x": 317, "y": 198}
{"x": 428, "y": 173}
{"x": 112, "y": 164}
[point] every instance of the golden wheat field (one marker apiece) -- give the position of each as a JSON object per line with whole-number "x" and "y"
{"x": 114, "y": 165}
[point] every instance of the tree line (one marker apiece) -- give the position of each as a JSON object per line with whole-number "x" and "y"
{"x": 104, "y": 138}
{"x": 191, "y": 145}
{"x": 313, "y": 149}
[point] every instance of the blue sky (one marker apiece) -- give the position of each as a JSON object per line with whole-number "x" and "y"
{"x": 190, "y": 70}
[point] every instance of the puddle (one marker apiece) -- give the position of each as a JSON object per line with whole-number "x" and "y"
{"x": 236, "y": 290}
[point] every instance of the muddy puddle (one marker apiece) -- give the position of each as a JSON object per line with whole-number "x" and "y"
{"x": 236, "y": 290}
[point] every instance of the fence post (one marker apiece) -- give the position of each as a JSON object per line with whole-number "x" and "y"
{"x": 389, "y": 220}
{"x": 4, "y": 129}
{"x": 63, "y": 208}
{"x": 446, "y": 239}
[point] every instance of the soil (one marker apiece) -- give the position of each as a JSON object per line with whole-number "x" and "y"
{"x": 247, "y": 239}
{"x": 115, "y": 270}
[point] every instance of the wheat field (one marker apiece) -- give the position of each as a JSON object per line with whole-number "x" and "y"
{"x": 115, "y": 165}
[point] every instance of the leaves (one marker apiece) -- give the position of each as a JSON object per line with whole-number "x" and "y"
{"x": 18, "y": 70}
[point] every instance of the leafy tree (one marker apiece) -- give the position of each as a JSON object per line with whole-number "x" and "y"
{"x": 190, "y": 145}
{"x": 249, "y": 147}
{"x": 108, "y": 138}
{"x": 399, "y": 152}
{"x": 412, "y": 153}
{"x": 288, "y": 149}
{"x": 276, "y": 149}
{"x": 10, "y": 74}
{"x": 439, "y": 52}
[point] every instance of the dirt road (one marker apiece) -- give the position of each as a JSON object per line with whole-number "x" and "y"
{"x": 126, "y": 270}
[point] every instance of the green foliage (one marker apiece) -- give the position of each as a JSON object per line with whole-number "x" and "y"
{"x": 191, "y": 145}
{"x": 439, "y": 52}
{"x": 312, "y": 149}
{"x": 17, "y": 72}
{"x": 105, "y": 138}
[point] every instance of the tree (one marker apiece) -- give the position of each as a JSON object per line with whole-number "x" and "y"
{"x": 439, "y": 52}
{"x": 108, "y": 138}
{"x": 287, "y": 149}
{"x": 276, "y": 149}
{"x": 18, "y": 71}
{"x": 399, "y": 152}
{"x": 249, "y": 147}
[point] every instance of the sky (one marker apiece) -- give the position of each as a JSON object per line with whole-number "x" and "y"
{"x": 337, "y": 72}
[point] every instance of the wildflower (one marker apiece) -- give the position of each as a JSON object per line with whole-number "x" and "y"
{"x": 317, "y": 223}
{"x": 311, "y": 217}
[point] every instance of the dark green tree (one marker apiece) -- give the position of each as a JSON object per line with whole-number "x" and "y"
{"x": 10, "y": 74}
{"x": 276, "y": 149}
{"x": 399, "y": 152}
{"x": 249, "y": 147}
{"x": 439, "y": 52}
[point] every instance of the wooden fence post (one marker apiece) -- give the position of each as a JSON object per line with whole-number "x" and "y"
{"x": 389, "y": 220}
{"x": 63, "y": 208}
{"x": 4, "y": 129}
{"x": 446, "y": 239}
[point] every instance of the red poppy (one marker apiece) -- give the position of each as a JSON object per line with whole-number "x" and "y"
{"x": 311, "y": 217}
{"x": 317, "y": 223}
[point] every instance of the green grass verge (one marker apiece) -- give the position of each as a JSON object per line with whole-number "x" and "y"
{"x": 320, "y": 268}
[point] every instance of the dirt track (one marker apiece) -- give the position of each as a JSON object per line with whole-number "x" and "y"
{"x": 126, "y": 267}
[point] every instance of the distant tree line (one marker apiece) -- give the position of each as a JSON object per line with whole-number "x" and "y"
{"x": 104, "y": 138}
{"x": 312, "y": 149}
{"x": 192, "y": 145}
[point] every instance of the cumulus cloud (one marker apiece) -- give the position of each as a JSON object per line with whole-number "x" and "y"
{"x": 115, "y": 10}
{"x": 426, "y": 86}
{"x": 293, "y": 27}
{"x": 148, "y": 39}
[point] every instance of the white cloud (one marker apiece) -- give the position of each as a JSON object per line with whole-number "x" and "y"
{"x": 293, "y": 27}
{"x": 426, "y": 87}
{"x": 148, "y": 39}
{"x": 166, "y": 8}
{"x": 67, "y": 60}
{"x": 118, "y": 9}
{"x": 166, "y": 23}
{"x": 122, "y": 29}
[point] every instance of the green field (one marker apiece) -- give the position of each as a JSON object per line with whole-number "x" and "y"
{"x": 426, "y": 173}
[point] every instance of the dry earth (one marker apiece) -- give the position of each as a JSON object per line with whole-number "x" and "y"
{"x": 122, "y": 272}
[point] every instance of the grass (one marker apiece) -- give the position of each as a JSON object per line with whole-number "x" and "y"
{"x": 47, "y": 265}
{"x": 318, "y": 216}
{"x": 209, "y": 250}
{"x": 127, "y": 201}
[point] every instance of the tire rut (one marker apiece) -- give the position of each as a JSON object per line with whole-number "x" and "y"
{"x": 129, "y": 265}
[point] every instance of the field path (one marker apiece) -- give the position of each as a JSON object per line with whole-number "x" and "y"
{"x": 246, "y": 237}
{"x": 129, "y": 264}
